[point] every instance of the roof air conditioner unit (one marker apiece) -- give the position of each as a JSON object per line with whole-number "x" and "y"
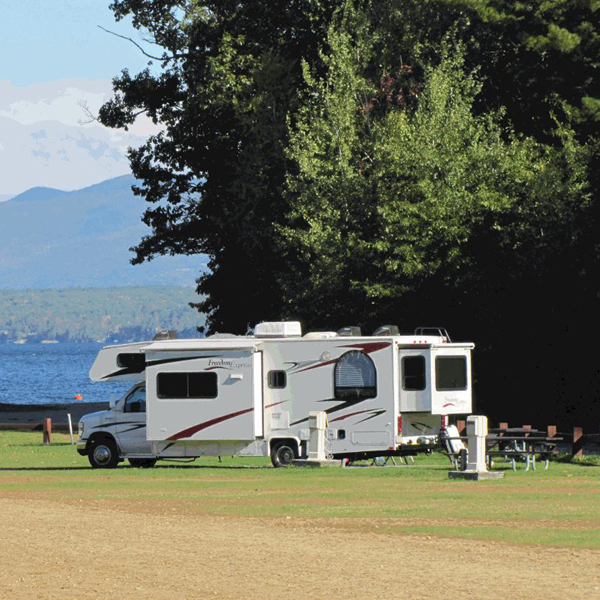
{"x": 278, "y": 329}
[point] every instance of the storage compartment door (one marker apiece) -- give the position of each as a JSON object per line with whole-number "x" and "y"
{"x": 209, "y": 397}
{"x": 452, "y": 392}
{"x": 415, "y": 380}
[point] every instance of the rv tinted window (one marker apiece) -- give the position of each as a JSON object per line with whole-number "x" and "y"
{"x": 135, "y": 362}
{"x": 187, "y": 385}
{"x": 413, "y": 373}
{"x": 136, "y": 401}
{"x": 355, "y": 376}
{"x": 202, "y": 385}
{"x": 451, "y": 373}
{"x": 277, "y": 379}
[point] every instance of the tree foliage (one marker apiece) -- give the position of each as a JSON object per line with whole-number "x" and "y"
{"x": 424, "y": 161}
{"x": 127, "y": 314}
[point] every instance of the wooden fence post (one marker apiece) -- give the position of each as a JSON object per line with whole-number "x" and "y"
{"x": 47, "y": 431}
{"x": 577, "y": 450}
{"x": 460, "y": 425}
{"x": 503, "y": 425}
{"x": 551, "y": 431}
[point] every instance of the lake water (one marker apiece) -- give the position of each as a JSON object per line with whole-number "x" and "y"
{"x": 51, "y": 373}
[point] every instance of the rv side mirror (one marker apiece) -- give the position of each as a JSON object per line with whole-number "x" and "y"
{"x": 112, "y": 403}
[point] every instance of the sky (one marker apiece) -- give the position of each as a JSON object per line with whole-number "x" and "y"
{"x": 54, "y": 59}
{"x": 45, "y": 40}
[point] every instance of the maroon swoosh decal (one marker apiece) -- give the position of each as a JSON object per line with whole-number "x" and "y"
{"x": 275, "y": 404}
{"x": 360, "y": 412}
{"x": 323, "y": 364}
{"x": 190, "y": 431}
{"x": 213, "y": 368}
{"x": 368, "y": 347}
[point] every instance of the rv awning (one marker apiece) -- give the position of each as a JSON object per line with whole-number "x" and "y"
{"x": 201, "y": 345}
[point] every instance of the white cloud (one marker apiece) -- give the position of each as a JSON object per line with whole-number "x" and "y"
{"x": 49, "y": 140}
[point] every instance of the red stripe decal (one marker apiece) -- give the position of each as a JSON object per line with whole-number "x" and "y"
{"x": 190, "y": 431}
{"x": 323, "y": 364}
{"x": 213, "y": 368}
{"x": 368, "y": 347}
{"x": 275, "y": 404}
{"x": 360, "y": 412}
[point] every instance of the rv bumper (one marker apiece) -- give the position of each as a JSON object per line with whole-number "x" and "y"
{"x": 82, "y": 447}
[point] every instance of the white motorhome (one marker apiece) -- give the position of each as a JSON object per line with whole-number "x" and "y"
{"x": 225, "y": 395}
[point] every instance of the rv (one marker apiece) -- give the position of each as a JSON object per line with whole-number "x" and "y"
{"x": 225, "y": 395}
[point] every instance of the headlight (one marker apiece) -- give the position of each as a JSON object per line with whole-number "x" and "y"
{"x": 80, "y": 429}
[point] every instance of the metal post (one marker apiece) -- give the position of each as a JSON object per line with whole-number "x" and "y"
{"x": 47, "y": 432}
{"x": 70, "y": 428}
{"x": 577, "y": 451}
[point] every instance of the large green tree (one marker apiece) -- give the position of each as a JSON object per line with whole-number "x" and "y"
{"x": 415, "y": 161}
{"x": 227, "y": 80}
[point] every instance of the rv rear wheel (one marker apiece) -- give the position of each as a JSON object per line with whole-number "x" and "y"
{"x": 142, "y": 463}
{"x": 282, "y": 455}
{"x": 103, "y": 454}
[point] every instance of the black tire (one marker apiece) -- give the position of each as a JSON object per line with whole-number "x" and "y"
{"x": 103, "y": 454}
{"x": 282, "y": 455}
{"x": 142, "y": 463}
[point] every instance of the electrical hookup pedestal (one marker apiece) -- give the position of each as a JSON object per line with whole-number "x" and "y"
{"x": 477, "y": 430}
{"x": 317, "y": 457}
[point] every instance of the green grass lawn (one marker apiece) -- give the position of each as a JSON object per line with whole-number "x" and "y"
{"x": 558, "y": 507}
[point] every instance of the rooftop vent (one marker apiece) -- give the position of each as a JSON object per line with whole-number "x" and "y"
{"x": 222, "y": 336}
{"x": 350, "y": 331}
{"x": 320, "y": 335}
{"x": 164, "y": 335}
{"x": 278, "y": 329}
{"x": 387, "y": 330}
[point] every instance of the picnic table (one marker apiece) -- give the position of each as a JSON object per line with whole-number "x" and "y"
{"x": 519, "y": 443}
{"x": 512, "y": 443}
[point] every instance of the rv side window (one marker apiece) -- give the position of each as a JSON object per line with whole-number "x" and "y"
{"x": 136, "y": 401}
{"x": 187, "y": 385}
{"x": 277, "y": 379}
{"x": 355, "y": 376}
{"x": 413, "y": 373}
{"x": 451, "y": 373}
{"x": 135, "y": 362}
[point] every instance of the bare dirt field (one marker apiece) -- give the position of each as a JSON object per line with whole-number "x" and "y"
{"x": 97, "y": 549}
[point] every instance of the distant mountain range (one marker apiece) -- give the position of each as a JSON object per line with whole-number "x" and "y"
{"x": 50, "y": 238}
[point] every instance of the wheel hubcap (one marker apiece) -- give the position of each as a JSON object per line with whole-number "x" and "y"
{"x": 102, "y": 455}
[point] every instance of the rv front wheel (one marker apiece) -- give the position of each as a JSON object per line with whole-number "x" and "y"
{"x": 104, "y": 454}
{"x": 282, "y": 455}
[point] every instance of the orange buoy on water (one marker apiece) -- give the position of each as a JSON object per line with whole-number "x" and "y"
{"x": 78, "y": 397}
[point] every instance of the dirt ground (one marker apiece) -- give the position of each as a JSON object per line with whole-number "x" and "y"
{"x": 49, "y": 550}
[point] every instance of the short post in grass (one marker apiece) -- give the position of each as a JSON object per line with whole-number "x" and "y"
{"x": 577, "y": 449}
{"x": 476, "y": 467}
{"x": 47, "y": 431}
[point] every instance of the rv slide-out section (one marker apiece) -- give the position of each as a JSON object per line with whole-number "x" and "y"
{"x": 210, "y": 395}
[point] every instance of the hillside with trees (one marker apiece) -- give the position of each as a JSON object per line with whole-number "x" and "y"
{"x": 366, "y": 162}
{"x": 106, "y": 315}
